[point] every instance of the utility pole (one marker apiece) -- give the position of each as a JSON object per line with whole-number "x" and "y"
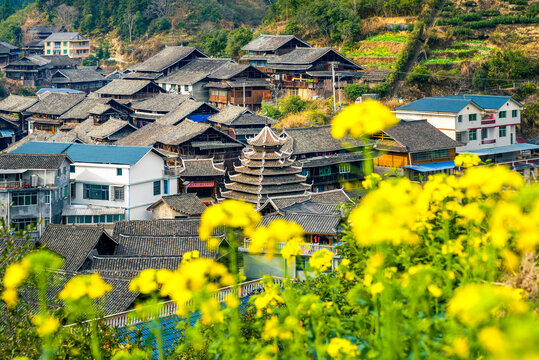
{"x": 243, "y": 94}
{"x": 333, "y": 80}
{"x": 339, "y": 87}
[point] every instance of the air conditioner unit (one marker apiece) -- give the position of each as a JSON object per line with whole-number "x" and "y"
{"x": 34, "y": 180}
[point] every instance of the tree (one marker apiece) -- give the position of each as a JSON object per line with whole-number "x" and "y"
{"x": 67, "y": 15}
{"x": 215, "y": 43}
{"x": 512, "y": 64}
{"x": 5, "y": 10}
{"x": 158, "y": 9}
{"x": 129, "y": 19}
{"x": 292, "y": 105}
{"x": 237, "y": 39}
{"x": 479, "y": 79}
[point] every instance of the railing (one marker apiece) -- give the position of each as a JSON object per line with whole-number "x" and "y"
{"x": 488, "y": 141}
{"x": 13, "y": 185}
{"x": 531, "y": 161}
{"x": 170, "y": 308}
{"x": 488, "y": 121}
{"x": 306, "y": 249}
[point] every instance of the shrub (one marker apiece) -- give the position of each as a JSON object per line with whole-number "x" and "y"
{"x": 419, "y": 74}
{"x": 470, "y": 3}
{"x": 479, "y": 79}
{"x": 353, "y": 91}
{"x": 270, "y": 110}
{"x": 292, "y": 104}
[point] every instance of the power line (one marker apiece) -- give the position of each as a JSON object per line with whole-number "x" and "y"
{"x": 469, "y": 78}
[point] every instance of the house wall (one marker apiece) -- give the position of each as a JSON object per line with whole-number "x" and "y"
{"x": 163, "y": 211}
{"x": 392, "y": 159}
{"x": 71, "y": 48}
{"x": 137, "y": 181}
{"x": 449, "y": 125}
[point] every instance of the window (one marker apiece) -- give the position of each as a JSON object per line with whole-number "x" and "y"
{"x": 65, "y": 191}
{"x": 302, "y": 263}
{"x": 48, "y": 43}
{"x": 440, "y": 154}
{"x": 503, "y": 131}
{"x": 156, "y": 187}
{"x": 324, "y": 171}
{"x": 118, "y": 193}
{"x": 472, "y": 117}
{"x": 422, "y": 156}
{"x": 514, "y": 113}
{"x": 92, "y": 85}
{"x": 21, "y": 224}
{"x": 503, "y": 114}
{"x": 48, "y": 52}
{"x": 119, "y": 172}
{"x": 484, "y": 133}
{"x": 85, "y": 86}
{"x": 472, "y": 135}
{"x": 165, "y": 186}
{"x": 460, "y": 118}
{"x": 65, "y": 52}
{"x": 72, "y": 169}
{"x": 77, "y": 86}
{"x": 306, "y": 172}
{"x": 65, "y": 43}
{"x": 73, "y": 190}
{"x": 95, "y": 192}
{"x": 248, "y": 93}
{"x": 99, "y": 84}
{"x": 47, "y": 197}
{"x": 25, "y": 198}
{"x": 186, "y": 87}
{"x": 344, "y": 168}
{"x": 460, "y": 136}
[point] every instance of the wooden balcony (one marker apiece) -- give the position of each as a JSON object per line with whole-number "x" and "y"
{"x": 13, "y": 185}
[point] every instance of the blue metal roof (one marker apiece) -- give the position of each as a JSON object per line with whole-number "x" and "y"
{"x": 59, "y": 90}
{"x": 485, "y": 101}
{"x": 504, "y": 149}
{"x": 101, "y": 154}
{"x": 437, "y": 166}
{"x": 437, "y": 105}
{"x": 199, "y": 118}
{"x": 38, "y": 147}
{"x": 6, "y": 133}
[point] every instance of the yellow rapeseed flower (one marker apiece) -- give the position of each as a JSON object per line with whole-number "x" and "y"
{"x": 15, "y": 274}
{"x": 321, "y": 260}
{"x": 492, "y": 339}
{"x": 474, "y": 304}
{"x": 11, "y": 297}
{"x": 376, "y": 288}
{"x": 339, "y": 347}
{"x": 434, "y": 290}
{"x": 467, "y": 160}
{"x": 46, "y": 325}
{"x": 211, "y": 312}
{"x": 229, "y": 213}
{"x": 371, "y": 181}
{"x": 387, "y": 214}
{"x": 362, "y": 119}
{"x": 91, "y": 285}
{"x": 461, "y": 347}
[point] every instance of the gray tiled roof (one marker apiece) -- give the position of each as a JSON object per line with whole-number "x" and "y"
{"x": 374, "y": 75}
{"x": 195, "y": 71}
{"x": 315, "y": 139}
{"x": 311, "y": 207}
{"x": 188, "y": 204}
{"x": 35, "y": 136}
{"x": 161, "y": 102}
{"x": 334, "y": 197}
{"x": 108, "y": 128}
{"x": 311, "y": 223}
{"x": 46, "y": 28}
{"x": 146, "y": 228}
{"x": 56, "y": 103}
{"x": 184, "y": 131}
{"x": 83, "y": 109}
{"x": 269, "y": 42}
{"x": 78, "y": 75}
{"x": 146, "y": 135}
{"x": 130, "y": 266}
{"x": 16, "y": 103}
{"x": 238, "y": 115}
{"x": 185, "y": 109}
{"x": 228, "y": 71}
{"x": 200, "y": 167}
{"x": 74, "y": 243}
{"x": 162, "y": 246}
{"x": 65, "y": 36}
{"x": 165, "y": 58}
{"x": 417, "y": 136}
{"x": 307, "y": 56}
{"x": 326, "y": 160}
{"x": 123, "y": 87}
{"x": 32, "y": 161}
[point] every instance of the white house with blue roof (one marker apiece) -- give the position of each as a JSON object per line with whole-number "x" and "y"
{"x": 109, "y": 183}
{"x": 475, "y": 121}
{"x": 482, "y": 124}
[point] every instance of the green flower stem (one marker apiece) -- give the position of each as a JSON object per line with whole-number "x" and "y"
{"x": 368, "y": 167}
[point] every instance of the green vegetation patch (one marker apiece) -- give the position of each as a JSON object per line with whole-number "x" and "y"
{"x": 388, "y": 37}
{"x": 380, "y": 51}
{"x": 441, "y": 61}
